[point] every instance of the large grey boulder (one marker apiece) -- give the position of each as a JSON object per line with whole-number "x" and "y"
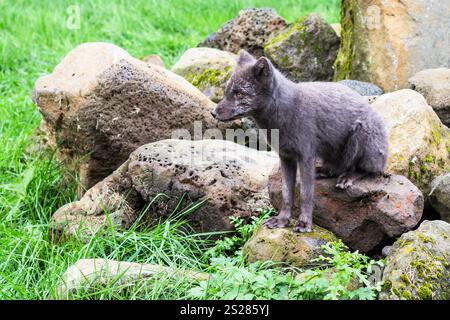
{"x": 250, "y": 30}
{"x": 388, "y": 41}
{"x": 306, "y": 50}
{"x": 99, "y": 104}
{"x": 230, "y": 177}
{"x": 434, "y": 85}
{"x": 440, "y": 196}
{"x": 418, "y": 264}
{"x": 364, "y": 215}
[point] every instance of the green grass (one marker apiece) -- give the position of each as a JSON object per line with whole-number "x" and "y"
{"x": 33, "y": 39}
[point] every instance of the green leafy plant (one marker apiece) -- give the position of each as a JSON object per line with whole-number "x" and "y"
{"x": 344, "y": 275}
{"x": 231, "y": 245}
{"x": 341, "y": 275}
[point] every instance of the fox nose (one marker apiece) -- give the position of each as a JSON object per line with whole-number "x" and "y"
{"x": 214, "y": 114}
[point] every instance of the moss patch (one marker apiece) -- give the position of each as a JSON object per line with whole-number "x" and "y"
{"x": 209, "y": 77}
{"x": 421, "y": 273}
{"x": 343, "y": 63}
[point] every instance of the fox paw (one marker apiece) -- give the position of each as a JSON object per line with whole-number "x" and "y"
{"x": 343, "y": 182}
{"x": 277, "y": 222}
{"x": 302, "y": 226}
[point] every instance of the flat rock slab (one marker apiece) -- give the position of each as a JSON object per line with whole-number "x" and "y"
{"x": 86, "y": 273}
{"x": 365, "y": 214}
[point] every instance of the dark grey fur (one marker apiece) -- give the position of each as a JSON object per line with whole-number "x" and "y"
{"x": 315, "y": 119}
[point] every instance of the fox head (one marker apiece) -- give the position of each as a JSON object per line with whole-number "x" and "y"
{"x": 247, "y": 89}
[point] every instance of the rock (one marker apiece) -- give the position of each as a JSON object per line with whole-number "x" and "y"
{"x": 440, "y": 196}
{"x": 370, "y": 99}
{"x": 385, "y": 251}
{"x": 365, "y": 214}
{"x": 86, "y": 273}
{"x": 363, "y": 88}
{"x": 250, "y": 30}
{"x": 418, "y": 142}
{"x": 285, "y": 245}
{"x": 100, "y": 104}
{"x": 155, "y": 60}
{"x": 232, "y": 177}
{"x": 434, "y": 85}
{"x": 208, "y": 69}
{"x": 418, "y": 265}
{"x": 388, "y": 41}
{"x": 306, "y": 50}
{"x": 337, "y": 28}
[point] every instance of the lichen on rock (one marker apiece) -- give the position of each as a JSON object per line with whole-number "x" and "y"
{"x": 306, "y": 50}
{"x": 418, "y": 264}
{"x": 207, "y": 69}
{"x": 286, "y": 245}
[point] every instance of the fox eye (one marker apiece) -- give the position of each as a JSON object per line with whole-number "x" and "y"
{"x": 239, "y": 95}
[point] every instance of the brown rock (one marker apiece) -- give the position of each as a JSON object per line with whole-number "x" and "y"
{"x": 250, "y": 30}
{"x": 100, "y": 104}
{"x": 365, "y": 214}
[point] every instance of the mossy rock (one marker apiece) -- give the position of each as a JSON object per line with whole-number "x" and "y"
{"x": 285, "y": 245}
{"x": 418, "y": 264}
{"x": 306, "y": 50}
{"x": 207, "y": 69}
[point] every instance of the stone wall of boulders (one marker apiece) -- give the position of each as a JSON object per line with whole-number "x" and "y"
{"x": 112, "y": 118}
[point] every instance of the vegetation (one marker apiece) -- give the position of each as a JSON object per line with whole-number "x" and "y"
{"x": 34, "y": 37}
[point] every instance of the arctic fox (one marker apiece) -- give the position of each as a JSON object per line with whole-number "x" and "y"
{"x": 322, "y": 120}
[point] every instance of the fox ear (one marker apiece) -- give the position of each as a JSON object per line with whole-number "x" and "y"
{"x": 262, "y": 68}
{"x": 245, "y": 58}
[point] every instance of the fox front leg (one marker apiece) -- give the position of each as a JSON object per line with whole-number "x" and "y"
{"x": 288, "y": 170}
{"x": 307, "y": 181}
